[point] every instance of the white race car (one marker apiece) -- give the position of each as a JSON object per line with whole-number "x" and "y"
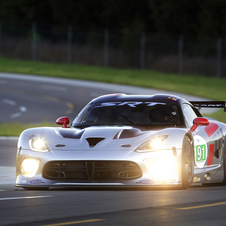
{"x": 126, "y": 140}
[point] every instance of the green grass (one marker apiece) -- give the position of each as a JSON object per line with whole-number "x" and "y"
{"x": 208, "y": 87}
{"x": 16, "y": 128}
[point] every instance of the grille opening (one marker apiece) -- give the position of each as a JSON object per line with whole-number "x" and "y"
{"x": 91, "y": 170}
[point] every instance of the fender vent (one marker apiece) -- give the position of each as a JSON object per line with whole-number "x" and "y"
{"x": 216, "y": 153}
{"x": 93, "y": 141}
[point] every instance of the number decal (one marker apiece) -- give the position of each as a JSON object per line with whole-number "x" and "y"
{"x": 200, "y": 151}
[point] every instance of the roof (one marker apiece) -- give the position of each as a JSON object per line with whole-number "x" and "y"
{"x": 164, "y": 98}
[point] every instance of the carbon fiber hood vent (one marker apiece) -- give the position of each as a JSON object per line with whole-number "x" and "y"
{"x": 73, "y": 134}
{"x": 94, "y": 135}
{"x": 128, "y": 133}
{"x": 93, "y": 141}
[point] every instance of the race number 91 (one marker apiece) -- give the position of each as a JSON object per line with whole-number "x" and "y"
{"x": 200, "y": 151}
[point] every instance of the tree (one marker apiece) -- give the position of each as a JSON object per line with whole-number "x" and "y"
{"x": 175, "y": 17}
{"x": 25, "y": 11}
{"x": 212, "y": 18}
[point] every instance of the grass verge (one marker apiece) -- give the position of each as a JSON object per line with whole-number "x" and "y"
{"x": 208, "y": 87}
{"x": 16, "y": 128}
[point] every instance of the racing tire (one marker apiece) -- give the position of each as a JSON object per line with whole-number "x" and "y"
{"x": 187, "y": 163}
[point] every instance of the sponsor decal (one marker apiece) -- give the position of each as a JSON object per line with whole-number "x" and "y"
{"x": 37, "y": 182}
{"x": 173, "y": 181}
{"x": 163, "y": 181}
{"x": 145, "y": 181}
{"x": 130, "y": 104}
{"x": 172, "y": 98}
{"x": 196, "y": 179}
{"x": 200, "y": 151}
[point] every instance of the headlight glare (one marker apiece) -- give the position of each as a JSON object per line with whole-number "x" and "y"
{"x": 156, "y": 143}
{"x": 29, "y": 167}
{"x": 37, "y": 144}
{"x": 162, "y": 168}
{"x": 152, "y": 145}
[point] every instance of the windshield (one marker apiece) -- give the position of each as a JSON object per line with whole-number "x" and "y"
{"x": 128, "y": 113}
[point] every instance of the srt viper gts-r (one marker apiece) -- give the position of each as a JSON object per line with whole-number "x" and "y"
{"x": 126, "y": 140}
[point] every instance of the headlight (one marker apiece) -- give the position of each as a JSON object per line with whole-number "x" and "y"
{"x": 152, "y": 145}
{"x": 37, "y": 144}
{"x": 29, "y": 167}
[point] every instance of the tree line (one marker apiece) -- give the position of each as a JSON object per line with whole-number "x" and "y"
{"x": 191, "y": 18}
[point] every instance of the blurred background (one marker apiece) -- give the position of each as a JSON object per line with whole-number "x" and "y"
{"x": 173, "y": 36}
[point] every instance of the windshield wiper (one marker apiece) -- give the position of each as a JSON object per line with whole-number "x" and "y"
{"x": 121, "y": 116}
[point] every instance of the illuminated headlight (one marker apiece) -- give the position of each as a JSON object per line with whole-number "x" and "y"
{"x": 152, "y": 145}
{"x": 37, "y": 144}
{"x": 162, "y": 168}
{"x": 29, "y": 167}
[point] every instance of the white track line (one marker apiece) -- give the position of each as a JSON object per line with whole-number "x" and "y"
{"x": 15, "y": 115}
{"x": 28, "y": 197}
{"x": 9, "y": 138}
{"x": 10, "y": 102}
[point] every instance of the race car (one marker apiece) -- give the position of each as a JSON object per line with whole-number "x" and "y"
{"x": 126, "y": 140}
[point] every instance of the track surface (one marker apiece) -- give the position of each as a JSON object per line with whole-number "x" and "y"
{"x": 26, "y": 101}
{"x": 37, "y": 99}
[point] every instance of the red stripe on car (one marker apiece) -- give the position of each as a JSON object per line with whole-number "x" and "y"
{"x": 211, "y": 129}
{"x": 210, "y": 157}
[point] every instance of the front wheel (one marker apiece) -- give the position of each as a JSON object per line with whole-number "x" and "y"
{"x": 187, "y": 163}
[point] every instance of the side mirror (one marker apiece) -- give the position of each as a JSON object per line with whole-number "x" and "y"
{"x": 199, "y": 122}
{"x": 63, "y": 121}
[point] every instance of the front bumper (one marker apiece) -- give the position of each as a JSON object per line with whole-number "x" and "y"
{"x": 154, "y": 167}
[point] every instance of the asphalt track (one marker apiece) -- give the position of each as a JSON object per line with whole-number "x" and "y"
{"x": 35, "y": 99}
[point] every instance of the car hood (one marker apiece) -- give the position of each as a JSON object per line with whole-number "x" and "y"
{"x": 103, "y": 137}
{"x": 95, "y": 138}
